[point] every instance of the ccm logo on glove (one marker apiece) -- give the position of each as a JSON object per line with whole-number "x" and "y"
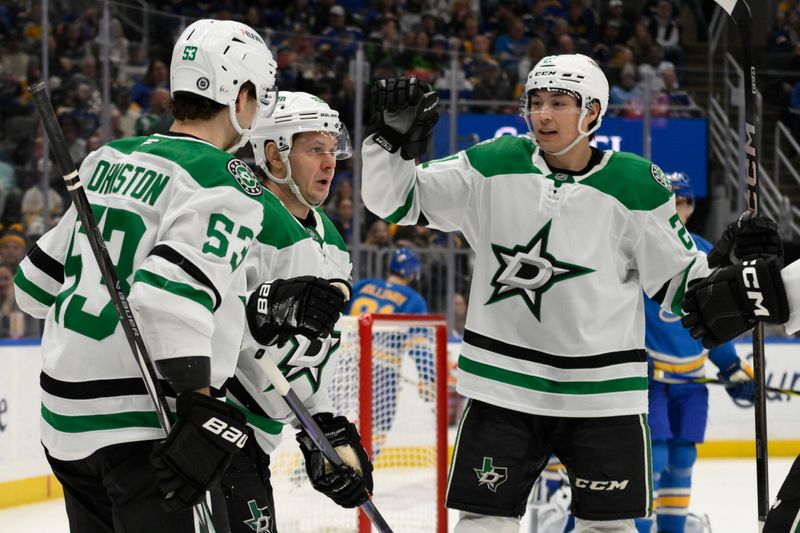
{"x": 750, "y": 278}
{"x": 229, "y": 433}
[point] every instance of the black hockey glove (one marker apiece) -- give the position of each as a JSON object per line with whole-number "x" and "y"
{"x": 347, "y": 485}
{"x": 405, "y": 114}
{"x": 750, "y": 237}
{"x": 307, "y": 306}
{"x": 732, "y": 299}
{"x": 739, "y": 384}
{"x": 198, "y": 450}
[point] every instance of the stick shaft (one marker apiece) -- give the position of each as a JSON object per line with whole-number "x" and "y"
{"x": 316, "y": 434}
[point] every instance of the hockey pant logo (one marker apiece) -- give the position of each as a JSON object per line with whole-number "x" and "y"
{"x": 230, "y": 434}
{"x": 601, "y": 485}
{"x": 260, "y": 519}
{"x": 491, "y": 476}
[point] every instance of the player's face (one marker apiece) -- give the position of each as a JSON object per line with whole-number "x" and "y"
{"x": 313, "y": 158}
{"x": 554, "y": 117}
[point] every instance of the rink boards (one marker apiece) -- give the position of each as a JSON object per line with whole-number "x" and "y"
{"x": 25, "y": 476}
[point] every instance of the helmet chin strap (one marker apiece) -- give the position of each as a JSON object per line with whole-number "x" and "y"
{"x": 243, "y": 133}
{"x": 288, "y": 180}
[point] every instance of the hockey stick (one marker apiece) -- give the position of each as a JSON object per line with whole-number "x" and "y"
{"x": 739, "y": 10}
{"x": 281, "y": 384}
{"x": 726, "y": 383}
{"x": 109, "y": 274}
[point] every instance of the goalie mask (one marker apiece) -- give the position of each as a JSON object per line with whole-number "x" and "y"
{"x": 573, "y": 74}
{"x": 215, "y": 58}
{"x": 296, "y": 113}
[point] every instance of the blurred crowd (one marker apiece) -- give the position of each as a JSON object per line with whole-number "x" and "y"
{"x": 492, "y": 44}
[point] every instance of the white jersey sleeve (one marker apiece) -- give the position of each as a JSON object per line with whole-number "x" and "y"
{"x": 791, "y": 282}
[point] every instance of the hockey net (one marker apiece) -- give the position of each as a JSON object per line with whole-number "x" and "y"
{"x": 391, "y": 380}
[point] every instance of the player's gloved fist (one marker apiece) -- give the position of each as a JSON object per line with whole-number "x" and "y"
{"x": 732, "y": 299}
{"x": 739, "y": 384}
{"x": 306, "y": 305}
{"x": 405, "y": 114}
{"x": 748, "y": 238}
{"x": 198, "y": 450}
{"x": 348, "y": 485}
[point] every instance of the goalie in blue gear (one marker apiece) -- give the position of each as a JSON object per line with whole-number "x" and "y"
{"x": 395, "y": 295}
{"x": 679, "y": 408}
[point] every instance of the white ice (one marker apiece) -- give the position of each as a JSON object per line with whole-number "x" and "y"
{"x": 723, "y": 488}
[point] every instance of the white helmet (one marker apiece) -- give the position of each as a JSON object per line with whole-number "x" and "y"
{"x": 574, "y": 74}
{"x": 297, "y": 112}
{"x": 214, "y": 58}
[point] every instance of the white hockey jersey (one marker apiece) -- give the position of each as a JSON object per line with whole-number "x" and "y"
{"x": 178, "y": 216}
{"x": 555, "y": 324}
{"x": 288, "y": 249}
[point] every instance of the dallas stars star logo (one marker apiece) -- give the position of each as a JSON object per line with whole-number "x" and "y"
{"x": 529, "y": 271}
{"x": 259, "y": 520}
{"x": 491, "y": 476}
{"x": 307, "y": 358}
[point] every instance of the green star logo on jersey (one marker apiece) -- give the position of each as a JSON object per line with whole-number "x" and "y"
{"x": 307, "y": 358}
{"x": 491, "y": 476}
{"x": 528, "y": 271}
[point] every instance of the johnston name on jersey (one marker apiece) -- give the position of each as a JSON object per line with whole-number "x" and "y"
{"x": 287, "y": 249}
{"x": 178, "y": 216}
{"x": 556, "y": 317}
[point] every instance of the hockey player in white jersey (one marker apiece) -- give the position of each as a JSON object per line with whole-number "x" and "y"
{"x": 566, "y": 239}
{"x": 296, "y": 150}
{"x": 179, "y": 215}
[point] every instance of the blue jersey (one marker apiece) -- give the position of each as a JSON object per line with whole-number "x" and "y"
{"x": 671, "y": 349}
{"x": 380, "y": 296}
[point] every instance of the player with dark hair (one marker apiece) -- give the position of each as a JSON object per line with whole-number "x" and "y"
{"x": 566, "y": 239}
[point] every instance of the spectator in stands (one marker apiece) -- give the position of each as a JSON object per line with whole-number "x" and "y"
{"x": 118, "y": 46}
{"x": 641, "y": 41}
{"x": 127, "y": 113}
{"x": 378, "y": 234}
{"x": 786, "y": 33}
{"x": 158, "y": 117}
{"x": 582, "y": 22}
{"x": 468, "y": 34}
{"x": 537, "y": 22}
{"x": 13, "y": 245}
{"x": 75, "y": 144}
{"x": 475, "y": 64}
{"x": 627, "y": 93}
{"x": 156, "y": 77}
{"x": 71, "y": 43}
{"x": 135, "y": 68}
{"x": 13, "y": 59}
{"x": 651, "y": 65}
{"x": 512, "y": 44}
{"x": 675, "y": 95}
{"x": 616, "y": 13}
{"x": 535, "y": 52}
{"x": 84, "y": 109}
{"x": 492, "y": 85}
{"x": 459, "y": 315}
{"x": 566, "y": 45}
{"x": 343, "y": 39}
{"x": 342, "y": 218}
{"x": 665, "y": 31}
{"x": 32, "y": 208}
{"x": 13, "y": 321}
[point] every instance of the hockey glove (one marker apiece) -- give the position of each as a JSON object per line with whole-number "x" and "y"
{"x": 347, "y": 485}
{"x": 405, "y": 114}
{"x": 198, "y": 450}
{"x": 732, "y": 299}
{"x": 739, "y": 384}
{"x": 307, "y": 306}
{"x": 749, "y": 237}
